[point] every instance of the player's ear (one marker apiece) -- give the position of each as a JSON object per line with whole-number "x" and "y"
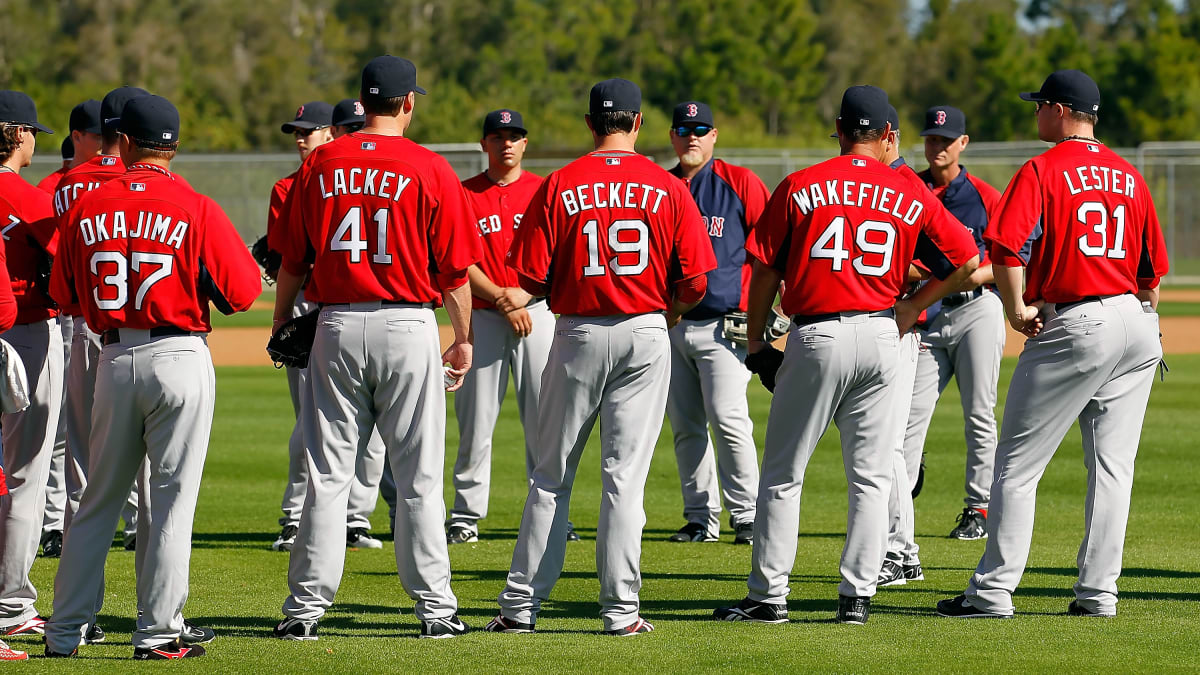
{"x": 713, "y": 133}
{"x": 964, "y": 139}
{"x": 637, "y": 123}
{"x": 410, "y": 101}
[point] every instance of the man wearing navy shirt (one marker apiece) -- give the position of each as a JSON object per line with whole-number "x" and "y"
{"x": 965, "y": 335}
{"x": 708, "y": 380}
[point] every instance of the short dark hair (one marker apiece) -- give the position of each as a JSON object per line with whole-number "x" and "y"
{"x": 378, "y": 105}
{"x": 615, "y": 122}
{"x": 156, "y": 151}
{"x": 110, "y": 137}
{"x": 1084, "y": 117}
{"x": 10, "y": 140}
{"x": 863, "y": 135}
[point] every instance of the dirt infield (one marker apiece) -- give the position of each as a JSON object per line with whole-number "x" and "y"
{"x": 247, "y": 346}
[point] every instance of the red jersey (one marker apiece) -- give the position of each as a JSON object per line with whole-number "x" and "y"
{"x": 611, "y": 232}
{"x": 843, "y": 233}
{"x": 8, "y": 304}
{"x": 279, "y": 193}
{"x": 50, "y": 183}
{"x": 144, "y": 251}
{"x": 87, "y": 176}
{"x": 30, "y": 235}
{"x": 379, "y": 218}
{"x": 1099, "y": 231}
{"x": 498, "y": 213}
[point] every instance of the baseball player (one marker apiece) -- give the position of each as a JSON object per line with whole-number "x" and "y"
{"x": 513, "y": 329}
{"x": 348, "y": 117}
{"x": 708, "y": 380}
{"x": 390, "y": 232}
{"x": 50, "y": 182}
{"x": 618, "y": 243}
{"x": 31, "y": 240}
{"x": 964, "y": 334}
{"x": 144, "y": 284}
{"x": 841, "y": 235}
{"x": 1088, "y": 307}
{"x": 311, "y": 129}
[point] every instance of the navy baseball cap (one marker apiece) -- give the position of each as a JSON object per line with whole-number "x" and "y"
{"x": 348, "y": 112}
{"x": 864, "y": 107}
{"x": 311, "y": 115}
{"x": 692, "y": 112}
{"x": 114, "y": 102}
{"x": 945, "y": 121}
{"x": 68, "y": 148}
{"x": 614, "y": 95}
{"x": 151, "y": 121}
{"x": 389, "y": 76}
{"x": 893, "y": 117}
{"x": 86, "y": 117}
{"x": 503, "y": 118}
{"x": 17, "y": 108}
{"x": 1072, "y": 88}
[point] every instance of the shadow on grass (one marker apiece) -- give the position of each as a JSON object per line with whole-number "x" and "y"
{"x": 1134, "y": 572}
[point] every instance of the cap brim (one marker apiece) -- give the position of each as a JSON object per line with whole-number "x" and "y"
{"x": 507, "y": 126}
{"x": 289, "y": 127}
{"x": 1034, "y": 96}
{"x": 419, "y": 90}
{"x": 41, "y": 128}
{"x": 944, "y": 133}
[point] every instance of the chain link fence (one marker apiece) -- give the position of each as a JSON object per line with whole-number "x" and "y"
{"x": 241, "y": 183}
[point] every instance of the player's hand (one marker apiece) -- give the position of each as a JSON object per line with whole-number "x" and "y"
{"x": 1028, "y": 321}
{"x": 673, "y": 318}
{"x": 907, "y": 314}
{"x": 458, "y": 358}
{"x": 764, "y": 362}
{"x": 511, "y": 299}
{"x": 520, "y": 321}
{"x": 276, "y": 324}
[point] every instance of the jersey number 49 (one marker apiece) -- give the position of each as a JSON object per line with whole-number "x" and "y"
{"x": 874, "y": 239}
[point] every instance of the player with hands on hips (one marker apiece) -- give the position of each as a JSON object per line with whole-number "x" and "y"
{"x": 381, "y": 228}
{"x": 1085, "y": 293}
{"x": 145, "y": 284}
{"x": 620, "y": 247}
{"x": 708, "y": 380}
{"x": 840, "y": 235}
{"x": 513, "y": 330}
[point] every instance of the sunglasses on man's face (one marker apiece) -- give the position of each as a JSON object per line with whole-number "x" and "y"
{"x": 305, "y": 133}
{"x": 700, "y": 130}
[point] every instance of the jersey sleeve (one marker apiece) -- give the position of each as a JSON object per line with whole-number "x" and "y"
{"x": 949, "y": 238}
{"x": 1014, "y": 220}
{"x": 279, "y": 193}
{"x": 8, "y": 303}
{"x": 693, "y": 248}
{"x": 226, "y": 261}
{"x": 770, "y": 237}
{"x": 291, "y": 234}
{"x": 453, "y": 237}
{"x": 1152, "y": 265}
{"x": 532, "y": 244}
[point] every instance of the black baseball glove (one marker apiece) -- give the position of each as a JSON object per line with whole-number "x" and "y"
{"x": 765, "y": 364}
{"x": 290, "y": 345}
{"x": 266, "y": 258}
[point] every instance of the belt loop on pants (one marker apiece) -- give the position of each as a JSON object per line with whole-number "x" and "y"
{"x": 805, "y": 319}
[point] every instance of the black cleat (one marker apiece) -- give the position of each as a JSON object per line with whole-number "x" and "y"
{"x": 52, "y": 654}
{"x": 743, "y": 533}
{"x": 891, "y": 575}
{"x": 755, "y": 612}
{"x": 94, "y": 635}
{"x": 52, "y": 544}
{"x": 972, "y": 525}
{"x": 286, "y": 538}
{"x": 174, "y": 649}
{"x": 693, "y": 532}
{"x": 1076, "y": 609}
{"x": 461, "y": 534}
{"x": 920, "y": 482}
{"x": 449, "y": 627}
{"x": 502, "y": 625}
{"x": 130, "y": 541}
{"x": 296, "y": 629}
{"x": 195, "y": 635}
{"x": 961, "y": 608}
{"x": 360, "y": 537}
{"x": 853, "y": 610}
{"x": 914, "y": 572}
{"x": 572, "y": 535}
{"x": 636, "y": 628}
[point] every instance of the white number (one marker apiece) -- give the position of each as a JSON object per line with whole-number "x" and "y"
{"x": 349, "y": 236}
{"x": 120, "y": 276}
{"x": 1101, "y": 228}
{"x": 831, "y": 245}
{"x": 639, "y": 246}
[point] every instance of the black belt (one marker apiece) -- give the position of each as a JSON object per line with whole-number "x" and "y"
{"x": 805, "y": 319}
{"x": 385, "y": 303}
{"x": 1063, "y": 306}
{"x": 959, "y": 299}
{"x": 113, "y": 335}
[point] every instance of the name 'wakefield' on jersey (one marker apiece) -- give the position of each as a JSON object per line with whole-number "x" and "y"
{"x": 149, "y": 226}
{"x": 844, "y": 193}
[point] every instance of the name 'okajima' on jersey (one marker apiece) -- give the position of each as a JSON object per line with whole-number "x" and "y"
{"x": 150, "y": 226}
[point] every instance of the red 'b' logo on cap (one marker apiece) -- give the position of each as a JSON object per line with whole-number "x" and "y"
{"x": 941, "y": 118}
{"x": 692, "y": 110}
{"x": 299, "y": 112}
{"x": 505, "y": 117}
{"x": 358, "y": 109}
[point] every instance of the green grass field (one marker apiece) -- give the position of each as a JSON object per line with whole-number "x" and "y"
{"x": 238, "y": 583}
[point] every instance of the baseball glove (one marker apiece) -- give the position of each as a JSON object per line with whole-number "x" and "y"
{"x": 290, "y": 345}
{"x": 734, "y": 328}
{"x": 266, "y": 258}
{"x": 765, "y": 364}
{"x": 777, "y": 325}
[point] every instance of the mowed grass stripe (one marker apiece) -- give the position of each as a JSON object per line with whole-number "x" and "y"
{"x": 238, "y": 584}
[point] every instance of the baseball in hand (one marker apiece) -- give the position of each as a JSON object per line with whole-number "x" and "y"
{"x": 448, "y": 378}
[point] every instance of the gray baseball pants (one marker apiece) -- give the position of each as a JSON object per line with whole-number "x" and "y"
{"x": 966, "y": 342}
{"x": 708, "y": 388}
{"x": 838, "y": 370}
{"x": 28, "y": 440}
{"x": 615, "y": 369}
{"x": 154, "y": 407}
{"x": 1093, "y": 362}
{"x": 477, "y": 403}
{"x": 56, "y": 485}
{"x": 902, "y": 542}
{"x": 374, "y": 366}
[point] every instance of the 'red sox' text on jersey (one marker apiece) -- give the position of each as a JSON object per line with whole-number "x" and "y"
{"x": 145, "y": 251}
{"x": 1105, "y": 238}
{"x": 843, "y": 233}
{"x": 355, "y": 211}
{"x": 611, "y": 233}
{"x": 499, "y": 210}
